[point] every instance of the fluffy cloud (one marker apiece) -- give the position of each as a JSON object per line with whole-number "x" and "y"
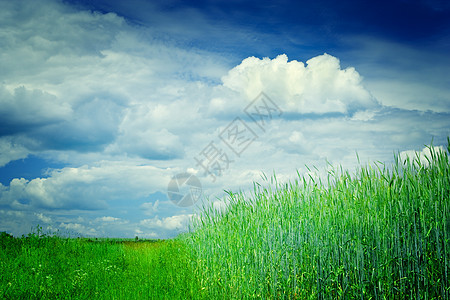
{"x": 85, "y": 187}
{"x": 83, "y": 81}
{"x": 36, "y": 33}
{"x": 126, "y": 111}
{"x": 43, "y": 218}
{"x": 143, "y": 132}
{"x": 93, "y": 125}
{"x": 319, "y": 87}
{"x": 23, "y": 109}
{"x": 49, "y": 62}
{"x": 422, "y": 158}
{"x": 150, "y": 208}
{"x": 177, "y": 222}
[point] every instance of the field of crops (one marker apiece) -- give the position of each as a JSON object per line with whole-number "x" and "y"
{"x": 382, "y": 233}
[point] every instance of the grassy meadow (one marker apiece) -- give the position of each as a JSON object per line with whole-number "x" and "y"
{"x": 51, "y": 267}
{"x": 381, "y": 233}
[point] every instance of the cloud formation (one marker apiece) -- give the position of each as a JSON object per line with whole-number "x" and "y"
{"x": 124, "y": 108}
{"x": 318, "y": 87}
{"x": 177, "y": 222}
{"x": 24, "y": 109}
{"x": 11, "y": 149}
{"x": 79, "y": 80}
{"x": 85, "y": 187}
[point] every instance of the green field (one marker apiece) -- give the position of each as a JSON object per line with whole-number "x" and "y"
{"x": 381, "y": 233}
{"x": 61, "y": 268}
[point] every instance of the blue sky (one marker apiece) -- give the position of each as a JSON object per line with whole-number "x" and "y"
{"x": 103, "y": 102}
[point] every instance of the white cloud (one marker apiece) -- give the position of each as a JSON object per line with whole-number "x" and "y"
{"x": 146, "y": 235}
{"x": 78, "y": 229}
{"x": 150, "y": 208}
{"x": 177, "y": 222}
{"x": 24, "y": 108}
{"x": 423, "y": 157}
{"x": 86, "y": 187}
{"x": 84, "y": 80}
{"x": 126, "y": 111}
{"x": 295, "y": 142}
{"x": 51, "y": 69}
{"x": 36, "y": 32}
{"x": 10, "y": 150}
{"x": 319, "y": 87}
{"x": 364, "y": 115}
{"x": 149, "y": 143}
{"x": 108, "y": 219}
{"x": 13, "y": 213}
{"x": 43, "y": 218}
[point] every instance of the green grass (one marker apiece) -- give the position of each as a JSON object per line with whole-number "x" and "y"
{"x": 50, "y": 267}
{"x": 381, "y": 233}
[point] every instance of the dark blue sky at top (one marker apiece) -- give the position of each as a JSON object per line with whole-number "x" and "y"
{"x": 308, "y": 25}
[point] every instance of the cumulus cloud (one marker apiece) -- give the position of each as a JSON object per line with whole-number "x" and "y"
{"x": 50, "y": 89}
{"x": 93, "y": 125}
{"x": 24, "y": 108}
{"x": 126, "y": 111}
{"x": 85, "y": 187}
{"x": 86, "y": 81}
{"x": 318, "y": 87}
{"x": 43, "y": 218}
{"x": 422, "y": 158}
{"x": 34, "y": 33}
{"x": 151, "y": 143}
{"x": 162, "y": 130}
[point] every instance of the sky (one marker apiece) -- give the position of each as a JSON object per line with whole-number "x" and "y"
{"x": 124, "y": 118}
